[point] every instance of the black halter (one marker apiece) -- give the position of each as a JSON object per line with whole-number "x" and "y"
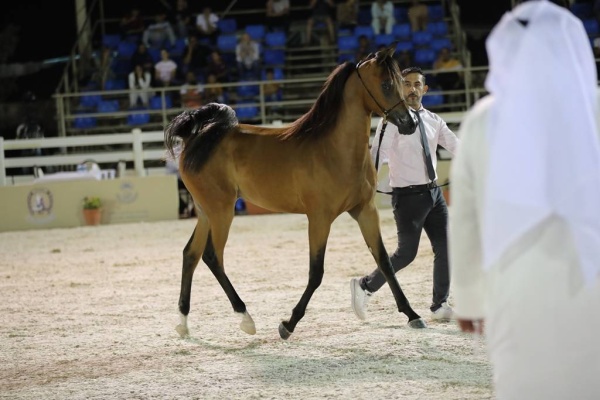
{"x": 383, "y": 110}
{"x": 385, "y": 114}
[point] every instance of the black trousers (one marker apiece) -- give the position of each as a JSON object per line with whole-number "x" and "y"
{"x": 413, "y": 212}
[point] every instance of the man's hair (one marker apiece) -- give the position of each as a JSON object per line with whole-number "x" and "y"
{"x": 413, "y": 70}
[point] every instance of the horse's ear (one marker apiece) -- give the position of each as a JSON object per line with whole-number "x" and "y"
{"x": 388, "y": 51}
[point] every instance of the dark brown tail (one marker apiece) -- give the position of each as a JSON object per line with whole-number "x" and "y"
{"x": 201, "y": 130}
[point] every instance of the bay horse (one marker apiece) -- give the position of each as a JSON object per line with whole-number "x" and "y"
{"x": 319, "y": 165}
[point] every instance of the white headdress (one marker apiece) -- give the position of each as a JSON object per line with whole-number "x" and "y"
{"x": 544, "y": 145}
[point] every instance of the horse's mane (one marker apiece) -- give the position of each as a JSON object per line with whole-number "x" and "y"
{"x": 323, "y": 115}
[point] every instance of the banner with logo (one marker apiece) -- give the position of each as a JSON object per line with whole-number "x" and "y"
{"x": 59, "y": 204}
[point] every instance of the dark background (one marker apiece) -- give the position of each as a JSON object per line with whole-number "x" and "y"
{"x": 46, "y": 30}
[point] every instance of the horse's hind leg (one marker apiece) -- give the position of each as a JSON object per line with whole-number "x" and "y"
{"x": 213, "y": 257}
{"x": 191, "y": 255}
{"x": 318, "y": 232}
{"x": 368, "y": 221}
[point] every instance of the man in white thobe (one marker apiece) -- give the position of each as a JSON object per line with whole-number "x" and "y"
{"x": 524, "y": 226}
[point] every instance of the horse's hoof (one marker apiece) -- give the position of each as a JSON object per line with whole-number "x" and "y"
{"x": 283, "y": 332}
{"x": 418, "y": 323}
{"x": 247, "y": 324}
{"x": 182, "y": 330}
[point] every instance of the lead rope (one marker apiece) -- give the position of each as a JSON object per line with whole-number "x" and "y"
{"x": 383, "y": 126}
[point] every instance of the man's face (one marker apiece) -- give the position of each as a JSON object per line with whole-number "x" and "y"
{"x": 413, "y": 89}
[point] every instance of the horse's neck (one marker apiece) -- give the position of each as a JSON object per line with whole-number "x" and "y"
{"x": 354, "y": 121}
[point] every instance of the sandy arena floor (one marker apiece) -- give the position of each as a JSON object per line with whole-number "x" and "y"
{"x": 90, "y": 313}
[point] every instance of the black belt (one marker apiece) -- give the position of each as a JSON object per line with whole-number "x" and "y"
{"x": 416, "y": 188}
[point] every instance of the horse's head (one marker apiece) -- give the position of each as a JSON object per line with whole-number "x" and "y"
{"x": 382, "y": 80}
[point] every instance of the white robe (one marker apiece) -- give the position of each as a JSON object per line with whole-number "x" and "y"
{"x": 542, "y": 324}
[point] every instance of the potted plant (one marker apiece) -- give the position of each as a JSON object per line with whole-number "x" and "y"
{"x": 92, "y": 210}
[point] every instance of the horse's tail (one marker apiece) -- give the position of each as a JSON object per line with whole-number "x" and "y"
{"x": 201, "y": 130}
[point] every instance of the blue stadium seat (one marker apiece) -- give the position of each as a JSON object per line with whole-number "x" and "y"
{"x": 366, "y": 30}
{"x": 421, "y": 38}
{"x": 439, "y": 28}
{"x": 343, "y": 57}
{"x": 256, "y": 31}
{"x": 178, "y": 48}
{"x": 90, "y": 100}
{"x": 108, "y": 106}
{"x": 227, "y": 25}
{"x": 275, "y": 39}
{"x": 126, "y": 49}
{"x": 84, "y": 122}
{"x": 244, "y": 111}
{"x": 110, "y": 40}
{"x": 115, "y": 84}
{"x": 433, "y": 98}
{"x": 156, "y": 102}
{"x": 440, "y": 43}
{"x": 402, "y": 31}
{"x": 247, "y": 90}
{"x": 226, "y": 42}
{"x": 435, "y": 12}
{"x": 404, "y": 46}
{"x": 274, "y": 57}
{"x": 347, "y": 43}
{"x": 154, "y": 53}
{"x": 425, "y": 57}
{"x": 383, "y": 39}
{"x": 138, "y": 119}
{"x": 591, "y": 26}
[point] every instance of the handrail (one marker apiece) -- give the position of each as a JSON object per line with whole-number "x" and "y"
{"x": 65, "y": 101}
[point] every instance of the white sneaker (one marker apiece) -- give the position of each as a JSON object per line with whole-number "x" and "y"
{"x": 359, "y": 299}
{"x": 444, "y": 313}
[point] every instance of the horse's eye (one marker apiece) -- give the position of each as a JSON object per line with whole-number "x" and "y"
{"x": 387, "y": 85}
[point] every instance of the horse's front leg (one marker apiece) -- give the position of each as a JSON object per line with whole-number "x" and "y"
{"x": 368, "y": 220}
{"x": 318, "y": 233}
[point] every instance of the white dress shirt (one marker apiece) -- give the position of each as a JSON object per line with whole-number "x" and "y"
{"x": 404, "y": 153}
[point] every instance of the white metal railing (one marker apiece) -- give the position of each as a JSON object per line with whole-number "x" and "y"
{"x": 138, "y": 153}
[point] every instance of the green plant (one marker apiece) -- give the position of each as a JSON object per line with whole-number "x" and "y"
{"x": 91, "y": 203}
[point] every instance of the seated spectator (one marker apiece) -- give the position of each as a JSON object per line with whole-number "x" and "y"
{"x": 214, "y": 92}
{"x": 278, "y": 15}
{"x": 191, "y": 92}
{"x": 347, "y": 14}
{"x": 159, "y": 34}
{"x": 183, "y": 19}
{"x": 165, "y": 70}
{"x": 321, "y": 11}
{"x": 247, "y": 55}
{"x": 365, "y": 47}
{"x": 418, "y": 16}
{"x": 142, "y": 57}
{"x": 272, "y": 90}
{"x": 139, "y": 83}
{"x": 382, "y": 16}
{"x": 132, "y": 24}
{"x": 103, "y": 67}
{"x": 195, "y": 56}
{"x": 448, "y": 74}
{"x": 206, "y": 24}
{"x": 217, "y": 67}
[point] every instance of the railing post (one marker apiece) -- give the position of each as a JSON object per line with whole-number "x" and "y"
{"x": 263, "y": 109}
{"x": 2, "y": 165}
{"x": 138, "y": 150}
